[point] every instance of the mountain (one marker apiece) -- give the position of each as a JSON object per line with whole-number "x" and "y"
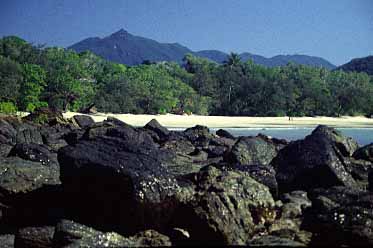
{"x": 123, "y": 47}
{"x": 359, "y": 65}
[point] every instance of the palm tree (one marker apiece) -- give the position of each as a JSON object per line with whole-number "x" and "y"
{"x": 233, "y": 60}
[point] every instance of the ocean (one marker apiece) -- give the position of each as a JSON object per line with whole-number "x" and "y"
{"x": 363, "y": 136}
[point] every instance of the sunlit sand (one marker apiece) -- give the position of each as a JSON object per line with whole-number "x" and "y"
{"x": 174, "y": 121}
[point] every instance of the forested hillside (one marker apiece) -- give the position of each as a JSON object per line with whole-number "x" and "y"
{"x": 32, "y": 77}
{"x": 359, "y": 65}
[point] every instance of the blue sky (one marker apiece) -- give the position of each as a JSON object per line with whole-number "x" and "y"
{"x": 337, "y": 30}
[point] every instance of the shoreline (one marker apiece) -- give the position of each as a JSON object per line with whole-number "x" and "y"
{"x": 185, "y": 121}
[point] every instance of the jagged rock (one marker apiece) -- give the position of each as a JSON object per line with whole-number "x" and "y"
{"x": 252, "y": 151}
{"x": 73, "y": 137}
{"x": 198, "y": 135}
{"x": 341, "y": 216}
{"x": 365, "y": 153}
{"x": 157, "y": 128}
{"x": 346, "y": 145}
{"x": 71, "y": 234}
{"x": 7, "y": 240}
{"x": 83, "y": 121}
{"x": 224, "y": 134}
{"x": 34, "y": 152}
{"x": 225, "y": 208}
{"x": 34, "y": 237}
{"x": 269, "y": 240}
{"x": 313, "y": 162}
{"x": 118, "y": 171}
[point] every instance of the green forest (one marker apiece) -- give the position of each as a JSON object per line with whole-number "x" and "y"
{"x": 37, "y": 76}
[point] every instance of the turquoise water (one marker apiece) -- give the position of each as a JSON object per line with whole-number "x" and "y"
{"x": 363, "y": 136}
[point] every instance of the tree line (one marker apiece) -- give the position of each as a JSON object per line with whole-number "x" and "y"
{"x": 36, "y": 76}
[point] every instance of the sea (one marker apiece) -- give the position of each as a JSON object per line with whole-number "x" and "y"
{"x": 363, "y": 136}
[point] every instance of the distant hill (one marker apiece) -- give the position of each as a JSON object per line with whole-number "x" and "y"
{"x": 359, "y": 65}
{"x": 123, "y": 47}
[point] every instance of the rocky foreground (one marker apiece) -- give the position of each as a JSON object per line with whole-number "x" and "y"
{"x": 76, "y": 183}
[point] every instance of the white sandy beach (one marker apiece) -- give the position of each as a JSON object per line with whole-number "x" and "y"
{"x": 181, "y": 121}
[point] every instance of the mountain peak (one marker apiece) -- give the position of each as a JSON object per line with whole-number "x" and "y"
{"x": 120, "y": 32}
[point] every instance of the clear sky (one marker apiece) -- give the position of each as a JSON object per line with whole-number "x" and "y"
{"x": 337, "y": 30}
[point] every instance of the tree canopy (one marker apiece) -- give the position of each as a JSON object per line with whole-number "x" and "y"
{"x": 34, "y": 76}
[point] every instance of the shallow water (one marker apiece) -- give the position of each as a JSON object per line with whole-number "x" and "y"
{"x": 363, "y": 136}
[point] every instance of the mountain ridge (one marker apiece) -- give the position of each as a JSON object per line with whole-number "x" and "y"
{"x": 126, "y": 48}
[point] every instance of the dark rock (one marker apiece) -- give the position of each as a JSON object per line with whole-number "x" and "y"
{"x": 83, "y": 121}
{"x": 29, "y": 192}
{"x": 4, "y": 150}
{"x": 34, "y": 152}
{"x": 71, "y": 234}
{"x": 225, "y": 208}
{"x": 358, "y": 169}
{"x": 8, "y": 132}
{"x": 346, "y": 145}
{"x": 7, "y": 240}
{"x": 35, "y": 237}
{"x": 365, "y": 153}
{"x": 225, "y": 134}
{"x": 73, "y": 137}
{"x": 341, "y": 216}
{"x": 184, "y": 147}
{"x": 370, "y": 180}
{"x": 198, "y": 135}
{"x": 118, "y": 171}
{"x": 22, "y": 176}
{"x": 161, "y": 131}
{"x": 313, "y": 162}
{"x": 269, "y": 240}
{"x": 29, "y": 134}
{"x": 252, "y": 151}
{"x": 265, "y": 175}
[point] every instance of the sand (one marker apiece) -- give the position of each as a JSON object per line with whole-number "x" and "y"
{"x": 184, "y": 121}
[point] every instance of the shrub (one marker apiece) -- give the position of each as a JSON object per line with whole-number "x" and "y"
{"x": 7, "y": 108}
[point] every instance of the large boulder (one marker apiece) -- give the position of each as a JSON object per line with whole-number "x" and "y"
{"x": 117, "y": 173}
{"x": 224, "y": 134}
{"x": 34, "y": 152}
{"x": 29, "y": 192}
{"x": 222, "y": 207}
{"x": 23, "y": 176}
{"x": 340, "y": 216}
{"x": 71, "y": 234}
{"x": 161, "y": 132}
{"x": 252, "y": 151}
{"x": 83, "y": 121}
{"x": 317, "y": 161}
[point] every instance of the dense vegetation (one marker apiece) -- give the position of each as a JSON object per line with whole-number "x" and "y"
{"x": 32, "y": 77}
